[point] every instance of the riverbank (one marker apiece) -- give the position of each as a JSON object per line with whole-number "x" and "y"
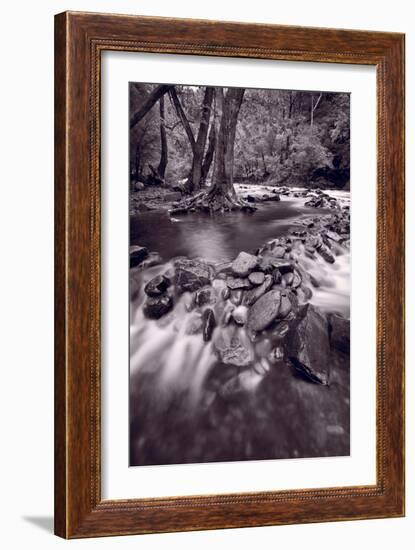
{"x": 209, "y": 338}
{"x": 161, "y": 198}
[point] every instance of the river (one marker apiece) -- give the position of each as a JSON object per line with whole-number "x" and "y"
{"x": 179, "y": 412}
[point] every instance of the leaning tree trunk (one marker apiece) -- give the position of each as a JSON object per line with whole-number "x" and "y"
{"x": 195, "y": 176}
{"x": 151, "y": 100}
{"x": 163, "y": 141}
{"x": 221, "y": 196}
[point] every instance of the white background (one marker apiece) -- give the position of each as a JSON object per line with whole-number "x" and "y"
{"x": 26, "y": 126}
{"x": 119, "y": 481}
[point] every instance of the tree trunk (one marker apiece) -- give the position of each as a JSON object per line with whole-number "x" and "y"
{"x": 182, "y": 116}
{"x": 209, "y": 152}
{"x": 199, "y": 148}
{"x": 221, "y": 196}
{"x": 163, "y": 141}
{"x": 229, "y": 105}
{"x": 148, "y": 104}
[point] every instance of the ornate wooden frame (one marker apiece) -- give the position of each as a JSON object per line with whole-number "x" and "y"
{"x": 79, "y": 40}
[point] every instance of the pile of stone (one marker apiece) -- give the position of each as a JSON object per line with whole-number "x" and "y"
{"x": 264, "y": 295}
{"x": 319, "y": 199}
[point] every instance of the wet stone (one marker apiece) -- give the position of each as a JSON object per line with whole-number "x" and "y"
{"x": 307, "y": 345}
{"x": 288, "y": 278}
{"x": 237, "y": 282}
{"x": 137, "y": 255}
{"x": 191, "y": 275}
{"x": 209, "y": 324}
{"x": 240, "y": 315}
{"x": 264, "y": 310}
{"x": 256, "y": 277}
{"x": 244, "y": 264}
{"x": 205, "y": 296}
{"x": 157, "y": 306}
{"x": 157, "y": 286}
{"x": 251, "y": 296}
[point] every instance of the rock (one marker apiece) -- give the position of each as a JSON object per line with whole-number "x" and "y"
{"x": 138, "y": 186}
{"x": 256, "y": 277}
{"x": 334, "y": 236}
{"x": 279, "y": 252}
{"x": 288, "y": 278}
{"x": 205, "y": 296}
{"x": 237, "y": 355}
{"x": 240, "y": 315}
{"x": 191, "y": 275}
{"x": 285, "y": 306}
{"x": 251, "y": 296}
{"x": 275, "y": 197}
{"x": 265, "y": 264}
{"x": 156, "y": 286}
{"x": 326, "y": 254}
{"x": 264, "y": 310}
{"x": 237, "y": 282}
{"x": 307, "y": 345}
{"x": 284, "y": 266}
{"x": 157, "y": 306}
{"x": 226, "y": 292}
{"x": 226, "y": 317}
{"x": 307, "y": 292}
{"x": 339, "y": 332}
{"x": 296, "y": 282}
{"x": 209, "y": 324}
{"x": 137, "y": 255}
{"x": 244, "y": 264}
{"x": 250, "y": 198}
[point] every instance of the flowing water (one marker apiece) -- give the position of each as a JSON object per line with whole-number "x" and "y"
{"x": 185, "y": 406}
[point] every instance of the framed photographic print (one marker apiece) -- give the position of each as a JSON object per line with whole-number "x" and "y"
{"x": 229, "y": 288}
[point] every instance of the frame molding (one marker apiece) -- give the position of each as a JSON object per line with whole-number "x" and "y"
{"x": 79, "y": 40}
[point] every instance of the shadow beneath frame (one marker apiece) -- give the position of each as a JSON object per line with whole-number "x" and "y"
{"x": 43, "y": 522}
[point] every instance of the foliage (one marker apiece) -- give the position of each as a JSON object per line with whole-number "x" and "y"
{"x": 283, "y": 136}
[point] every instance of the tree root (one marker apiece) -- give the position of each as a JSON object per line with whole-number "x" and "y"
{"x": 212, "y": 201}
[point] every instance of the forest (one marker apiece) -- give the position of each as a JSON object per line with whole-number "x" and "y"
{"x": 202, "y": 139}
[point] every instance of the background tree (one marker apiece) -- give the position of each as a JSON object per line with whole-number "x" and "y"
{"x": 283, "y": 137}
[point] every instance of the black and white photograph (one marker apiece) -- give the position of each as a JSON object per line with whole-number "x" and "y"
{"x": 239, "y": 274}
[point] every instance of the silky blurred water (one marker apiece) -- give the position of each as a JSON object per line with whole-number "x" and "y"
{"x": 179, "y": 411}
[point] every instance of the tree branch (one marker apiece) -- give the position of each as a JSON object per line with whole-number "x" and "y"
{"x": 148, "y": 104}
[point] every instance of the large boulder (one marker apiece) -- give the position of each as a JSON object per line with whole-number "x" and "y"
{"x": 137, "y": 255}
{"x": 339, "y": 332}
{"x": 157, "y": 306}
{"x": 244, "y": 264}
{"x": 307, "y": 345}
{"x": 191, "y": 275}
{"x": 264, "y": 311}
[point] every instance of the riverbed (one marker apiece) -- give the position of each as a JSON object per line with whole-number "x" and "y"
{"x": 184, "y": 407}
